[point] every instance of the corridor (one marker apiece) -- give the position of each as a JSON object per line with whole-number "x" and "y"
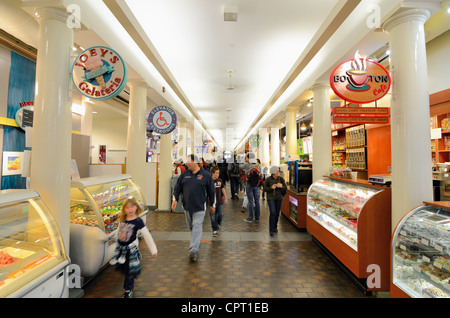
{"x": 243, "y": 261}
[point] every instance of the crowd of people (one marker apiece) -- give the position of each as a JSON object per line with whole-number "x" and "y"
{"x": 201, "y": 186}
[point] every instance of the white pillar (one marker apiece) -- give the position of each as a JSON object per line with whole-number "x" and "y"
{"x": 274, "y": 145}
{"x": 291, "y": 131}
{"x": 264, "y": 146}
{"x": 165, "y": 173}
{"x": 322, "y": 157}
{"x": 182, "y": 139}
{"x": 52, "y": 131}
{"x": 136, "y": 136}
{"x": 410, "y": 113}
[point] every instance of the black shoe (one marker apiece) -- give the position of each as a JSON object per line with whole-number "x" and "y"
{"x": 271, "y": 233}
{"x": 193, "y": 257}
{"x": 127, "y": 294}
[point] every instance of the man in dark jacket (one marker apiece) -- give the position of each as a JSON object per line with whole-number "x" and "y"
{"x": 197, "y": 187}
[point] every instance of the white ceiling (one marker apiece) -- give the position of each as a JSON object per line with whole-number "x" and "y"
{"x": 276, "y": 51}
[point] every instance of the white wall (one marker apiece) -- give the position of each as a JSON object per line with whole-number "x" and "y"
{"x": 438, "y": 58}
{"x": 113, "y": 134}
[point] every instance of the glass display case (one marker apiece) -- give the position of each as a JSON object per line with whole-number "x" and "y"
{"x": 421, "y": 252}
{"x": 31, "y": 248}
{"x": 336, "y": 205}
{"x": 350, "y": 220}
{"x": 97, "y": 201}
{"x": 95, "y": 204}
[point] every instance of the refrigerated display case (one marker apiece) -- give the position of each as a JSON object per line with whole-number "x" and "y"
{"x": 32, "y": 254}
{"x": 95, "y": 205}
{"x": 421, "y": 253}
{"x": 351, "y": 220}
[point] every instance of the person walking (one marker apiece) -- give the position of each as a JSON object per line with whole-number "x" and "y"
{"x": 234, "y": 172}
{"x": 197, "y": 186}
{"x": 127, "y": 256}
{"x": 221, "y": 199}
{"x": 275, "y": 188}
{"x": 253, "y": 179}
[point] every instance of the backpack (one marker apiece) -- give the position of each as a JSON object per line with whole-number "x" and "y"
{"x": 253, "y": 177}
{"x": 235, "y": 169}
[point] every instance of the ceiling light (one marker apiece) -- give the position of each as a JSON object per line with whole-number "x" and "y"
{"x": 230, "y": 84}
{"x": 230, "y": 13}
{"x": 311, "y": 124}
{"x": 388, "y": 52}
{"x": 309, "y": 104}
{"x": 303, "y": 127}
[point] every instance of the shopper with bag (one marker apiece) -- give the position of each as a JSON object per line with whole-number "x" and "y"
{"x": 275, "y": 188}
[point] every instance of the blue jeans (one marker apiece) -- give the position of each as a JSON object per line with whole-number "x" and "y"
{"x": 195, "y": 222}
{"x": 216, "y": 218}
{"x": 253, "y": 202}
{"x": 274, "y": 208}
{"x": 234, "y": 184}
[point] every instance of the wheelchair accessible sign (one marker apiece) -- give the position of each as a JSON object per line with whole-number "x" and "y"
{"x": 162, "y": 120}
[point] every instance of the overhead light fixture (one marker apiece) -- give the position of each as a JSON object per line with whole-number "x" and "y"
{"x": 303, "y": 127}
{"x": 78, "y": 109}
{"x": 446, "y": 6}
{"x": 309, "y": 104}
{"x": 230, "y": 13}
{"x": 311, "y": 124}
{"x": 230, "y": 84}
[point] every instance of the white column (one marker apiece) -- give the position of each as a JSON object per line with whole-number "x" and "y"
{"x": 182, "y": 139}
{"x": 165, "y": 173}
{"x": 52, "y": 131}
{"x": 410, "y": 113}
{"x": 191, "y": 136}
{"x": 264, "y": 146}
{"x": 322, "y": 157}
{"x": 291, "y": 131}
{"x": 274, "y": 145}
{"x": 136, "y": 136}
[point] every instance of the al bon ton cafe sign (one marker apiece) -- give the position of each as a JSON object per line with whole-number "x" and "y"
{"x": 360, "y": 81}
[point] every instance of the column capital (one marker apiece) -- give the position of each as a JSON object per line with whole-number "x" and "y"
{"x": 52, "y": 13}
{"x": 292, "y": 108}
{"x": 419, "y": 15}
{"x": 137, "y": 83}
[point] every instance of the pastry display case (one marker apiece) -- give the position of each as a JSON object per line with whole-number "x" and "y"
{"x": 32, "y": 255}
{"x": 421, "y": 253}
{"x": 95, "y": 204}
{"x": 351, "y": 220}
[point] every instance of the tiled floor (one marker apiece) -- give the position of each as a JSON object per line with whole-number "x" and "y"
{"x": 242, "y": 262}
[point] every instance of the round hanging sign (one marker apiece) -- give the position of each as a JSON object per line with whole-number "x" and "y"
{"x": 162, "y": 120}
{"x": 99, "y": 73}
{"x": 360, "y": 80}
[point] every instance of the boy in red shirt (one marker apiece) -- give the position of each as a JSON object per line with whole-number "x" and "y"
{"x": 221, "y": 199}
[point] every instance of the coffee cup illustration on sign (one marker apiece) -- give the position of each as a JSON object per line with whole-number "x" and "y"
{"x": 358, "y": 75}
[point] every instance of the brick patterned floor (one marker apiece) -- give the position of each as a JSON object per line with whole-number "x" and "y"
{"x": 242, "y": 262}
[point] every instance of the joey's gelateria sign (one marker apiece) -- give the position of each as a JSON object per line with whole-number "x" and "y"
{"x": 99, "y": 73}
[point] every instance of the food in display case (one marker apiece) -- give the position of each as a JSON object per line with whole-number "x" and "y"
{"x": 32, "y": 255}
{"x": 350, "y": 220}
{"x": 421, "y": 252}
{"x": 336, "y": 206}
{"x": 95, "y": 205}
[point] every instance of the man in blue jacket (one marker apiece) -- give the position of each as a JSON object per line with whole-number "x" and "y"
{"x": 197, "y": 187}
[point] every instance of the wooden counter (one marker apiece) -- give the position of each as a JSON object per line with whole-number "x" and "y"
{"x": 293, "y": 208}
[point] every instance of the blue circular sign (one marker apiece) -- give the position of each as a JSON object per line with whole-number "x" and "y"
{"x": 162, "y": 120}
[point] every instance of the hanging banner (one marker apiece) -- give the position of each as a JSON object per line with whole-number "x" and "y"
{"x": 99, "y": 73}
{"x": 162, "y": 120}
{"x": 360, "y": 81}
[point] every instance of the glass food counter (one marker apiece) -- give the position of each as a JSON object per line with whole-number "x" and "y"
{"x": 32, "y": 255}
{"x": 95, "y": 205}
{"x": 421, "y": 253}
{"x": 351, "y": 219}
